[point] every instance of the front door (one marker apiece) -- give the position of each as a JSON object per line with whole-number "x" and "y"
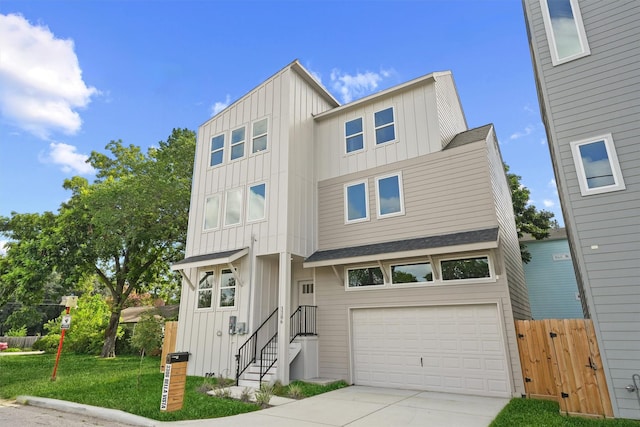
{"x": 305, "y": 293}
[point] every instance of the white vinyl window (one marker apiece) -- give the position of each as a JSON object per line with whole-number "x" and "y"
{"x": 237, "y": 143}
{"x": 389, "y": 195}
{"x": 565, "y": 30}
{"x": 256, "y": 202}
{"x": 597, "y": 165}
{"x": 356, "y": 202}
{"x": 364, "y": 276}
{"x": 227, "y": 289}
{"x": 354, "y": 135}
{"x": 384, "y": 126}
{"x": 411, "y": 273}
{"x": 259, "y": 136}
{"x": 205, "y": 290}
{"x": 212, "y": 212}
{"x": 465, "y": 268}
{"x": 233, "y": 207}
{"x": 217, "y": 150}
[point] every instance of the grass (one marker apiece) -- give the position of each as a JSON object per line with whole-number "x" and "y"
{"x": 545, "y": 413}
{"x": 109, "y": 383}
{"x": 306, "y": 389}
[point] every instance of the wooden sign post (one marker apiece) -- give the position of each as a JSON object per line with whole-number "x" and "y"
{"x": 175, "y": 378}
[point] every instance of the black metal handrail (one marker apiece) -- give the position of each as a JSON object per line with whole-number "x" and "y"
{"x": 247, "y": 352}
{"x": 303, "y": 322}
{"x": 268, "y": 356}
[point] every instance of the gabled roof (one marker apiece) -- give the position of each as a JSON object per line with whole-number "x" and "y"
{"x": 472, "y": 135}
{"x": 206, "y": 260}
{"x": 430, "y": 245}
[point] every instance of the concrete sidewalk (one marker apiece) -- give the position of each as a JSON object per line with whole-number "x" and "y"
{"x": 355, "y": 406}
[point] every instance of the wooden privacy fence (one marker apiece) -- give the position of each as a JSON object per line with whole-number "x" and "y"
{"x": 168, "y": 342}
{"x": 19, "y": 342}
{"x": 561, "y": 361}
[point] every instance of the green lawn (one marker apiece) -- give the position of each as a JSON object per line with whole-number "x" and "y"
{"x": 109, "y": 383}
{"x": 544, "y": 413}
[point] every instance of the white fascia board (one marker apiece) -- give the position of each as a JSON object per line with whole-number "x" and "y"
{"x": 207, "y": 263}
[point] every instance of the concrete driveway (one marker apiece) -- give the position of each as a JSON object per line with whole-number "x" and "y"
{"x": 355, "y": 406}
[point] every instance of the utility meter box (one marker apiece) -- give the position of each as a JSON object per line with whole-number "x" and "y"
{"x": 175, "y": 378}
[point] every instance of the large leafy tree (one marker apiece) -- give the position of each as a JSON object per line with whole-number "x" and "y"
{"x": 124, "y": 228}
{"x": 529, "y": 220}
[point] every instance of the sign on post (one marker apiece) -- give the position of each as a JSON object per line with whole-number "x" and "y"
{"x": 66, "y": 322}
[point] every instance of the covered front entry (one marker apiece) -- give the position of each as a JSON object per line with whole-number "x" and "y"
{"x": 451, "y": 348}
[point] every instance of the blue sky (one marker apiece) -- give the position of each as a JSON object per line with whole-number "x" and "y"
{"x": 75, "y": 75}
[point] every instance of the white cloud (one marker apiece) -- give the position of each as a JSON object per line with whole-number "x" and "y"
{"x": 3, "y": 247}
{"x": 219, "y": 106}
{"x": 65, "y": 155}
{"x": 528, "y": 130}
{"x": 41, "y": 84}
{"x": 548, "y": 203}
{"x": 355, "y": 86}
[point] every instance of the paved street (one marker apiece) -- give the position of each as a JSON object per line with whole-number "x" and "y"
{"x": 12, "y": 414}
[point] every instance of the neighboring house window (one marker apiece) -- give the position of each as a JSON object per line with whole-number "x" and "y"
{"x": 237, "y": 143}
{"x": 411, "y": 273}
{"x": 356, "y": 202}
{"x": 384, "y": 126}
{"x": 227, "y": 289}
{"x": 367, "y": 276}
{"x": 354, "y": 136}
{"x": 233, "y": 207}
{"x": 212, "y": 212}
{"x": 465, "y": 268}
{"x": 259, "y": 136}
{"x": 256, "y": 202}
{"x": 565, "y": 30}
{"x": 389, "y": 195}
{"x": 597, "y": 165}
{"x": 217, "y": 149}
{"x": 205, "y": 290}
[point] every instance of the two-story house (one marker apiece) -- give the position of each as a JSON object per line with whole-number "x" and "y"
{"x": 585, "y": 57}
{"x": 386, "y": 220}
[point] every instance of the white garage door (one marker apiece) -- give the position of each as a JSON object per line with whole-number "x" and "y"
{"x": 454, "y": 349}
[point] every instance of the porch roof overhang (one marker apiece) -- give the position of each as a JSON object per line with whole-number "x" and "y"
{"x": 216, "y": 258}
{"x": 422, "y": 246}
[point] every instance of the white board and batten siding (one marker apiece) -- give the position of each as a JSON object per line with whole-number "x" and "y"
{"x": 592, "y": 96}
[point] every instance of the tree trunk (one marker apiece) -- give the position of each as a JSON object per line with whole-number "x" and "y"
{"x": 109, "y": 347}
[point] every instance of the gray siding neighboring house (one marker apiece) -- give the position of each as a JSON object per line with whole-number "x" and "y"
{"x": 588, "y": 82}
{"x": 387, "y": 213}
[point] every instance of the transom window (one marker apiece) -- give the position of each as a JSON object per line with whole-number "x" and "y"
{"x": 256, "y": 202}
{"x": 212, "y": 212}
{"x": 565, "y": 30}
{"x": 356, "y": 202}
{"x": 384, "y": 126}
{"x": 259, "y": 136}
{"x": 217, "y": 149}
{"x": 411, "y": 273}
{"x": 233, "y": 207}
{"x": 465, "y": 268}
{"x": 389, "y": 195}
{"x": 367, "y": 276}
{"x": 237, "y": 143}
{"x": 597, "y": 165}
{"x": 354, "y": 135}
{"x": 205, "y": 290}
{"x": 227, "y": 289}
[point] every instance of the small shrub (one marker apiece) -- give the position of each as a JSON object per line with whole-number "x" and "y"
{"x": 17, "y": 332}
{"x": 207, "y": 386}
{"x": 295, "y": 391}
{"x": 12, "y": 350}
{"x": 245, "y": 395}
{"x": 48, "y": 343}
{"x": 222, "y": 392}
{"x": 263, "y": 396}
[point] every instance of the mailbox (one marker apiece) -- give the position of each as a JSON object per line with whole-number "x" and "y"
{"x": 175, "y": 378}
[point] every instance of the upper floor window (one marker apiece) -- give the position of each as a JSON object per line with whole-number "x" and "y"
{"x": 237, "y": 143}
{"x": 597, "y": 165}
{"x": 259, "y": 136}
{"x": 389, "y": 195}
{"x": 465, "y": 268}
{"x": 227, "y": 289}
{"x": 411, "y": 273}
{"x": 356, "y": 202}
{"x": 233, "y": 207}
{"x": 217, "y": 149}
{"x": 354, "y": 135}
{"x": 256, "y": 202}
{"x": 212, "y": 212}
{"x": 565, "y": 30}
{"x": 205, "y": 290}
{"x": 384, "y": 126}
